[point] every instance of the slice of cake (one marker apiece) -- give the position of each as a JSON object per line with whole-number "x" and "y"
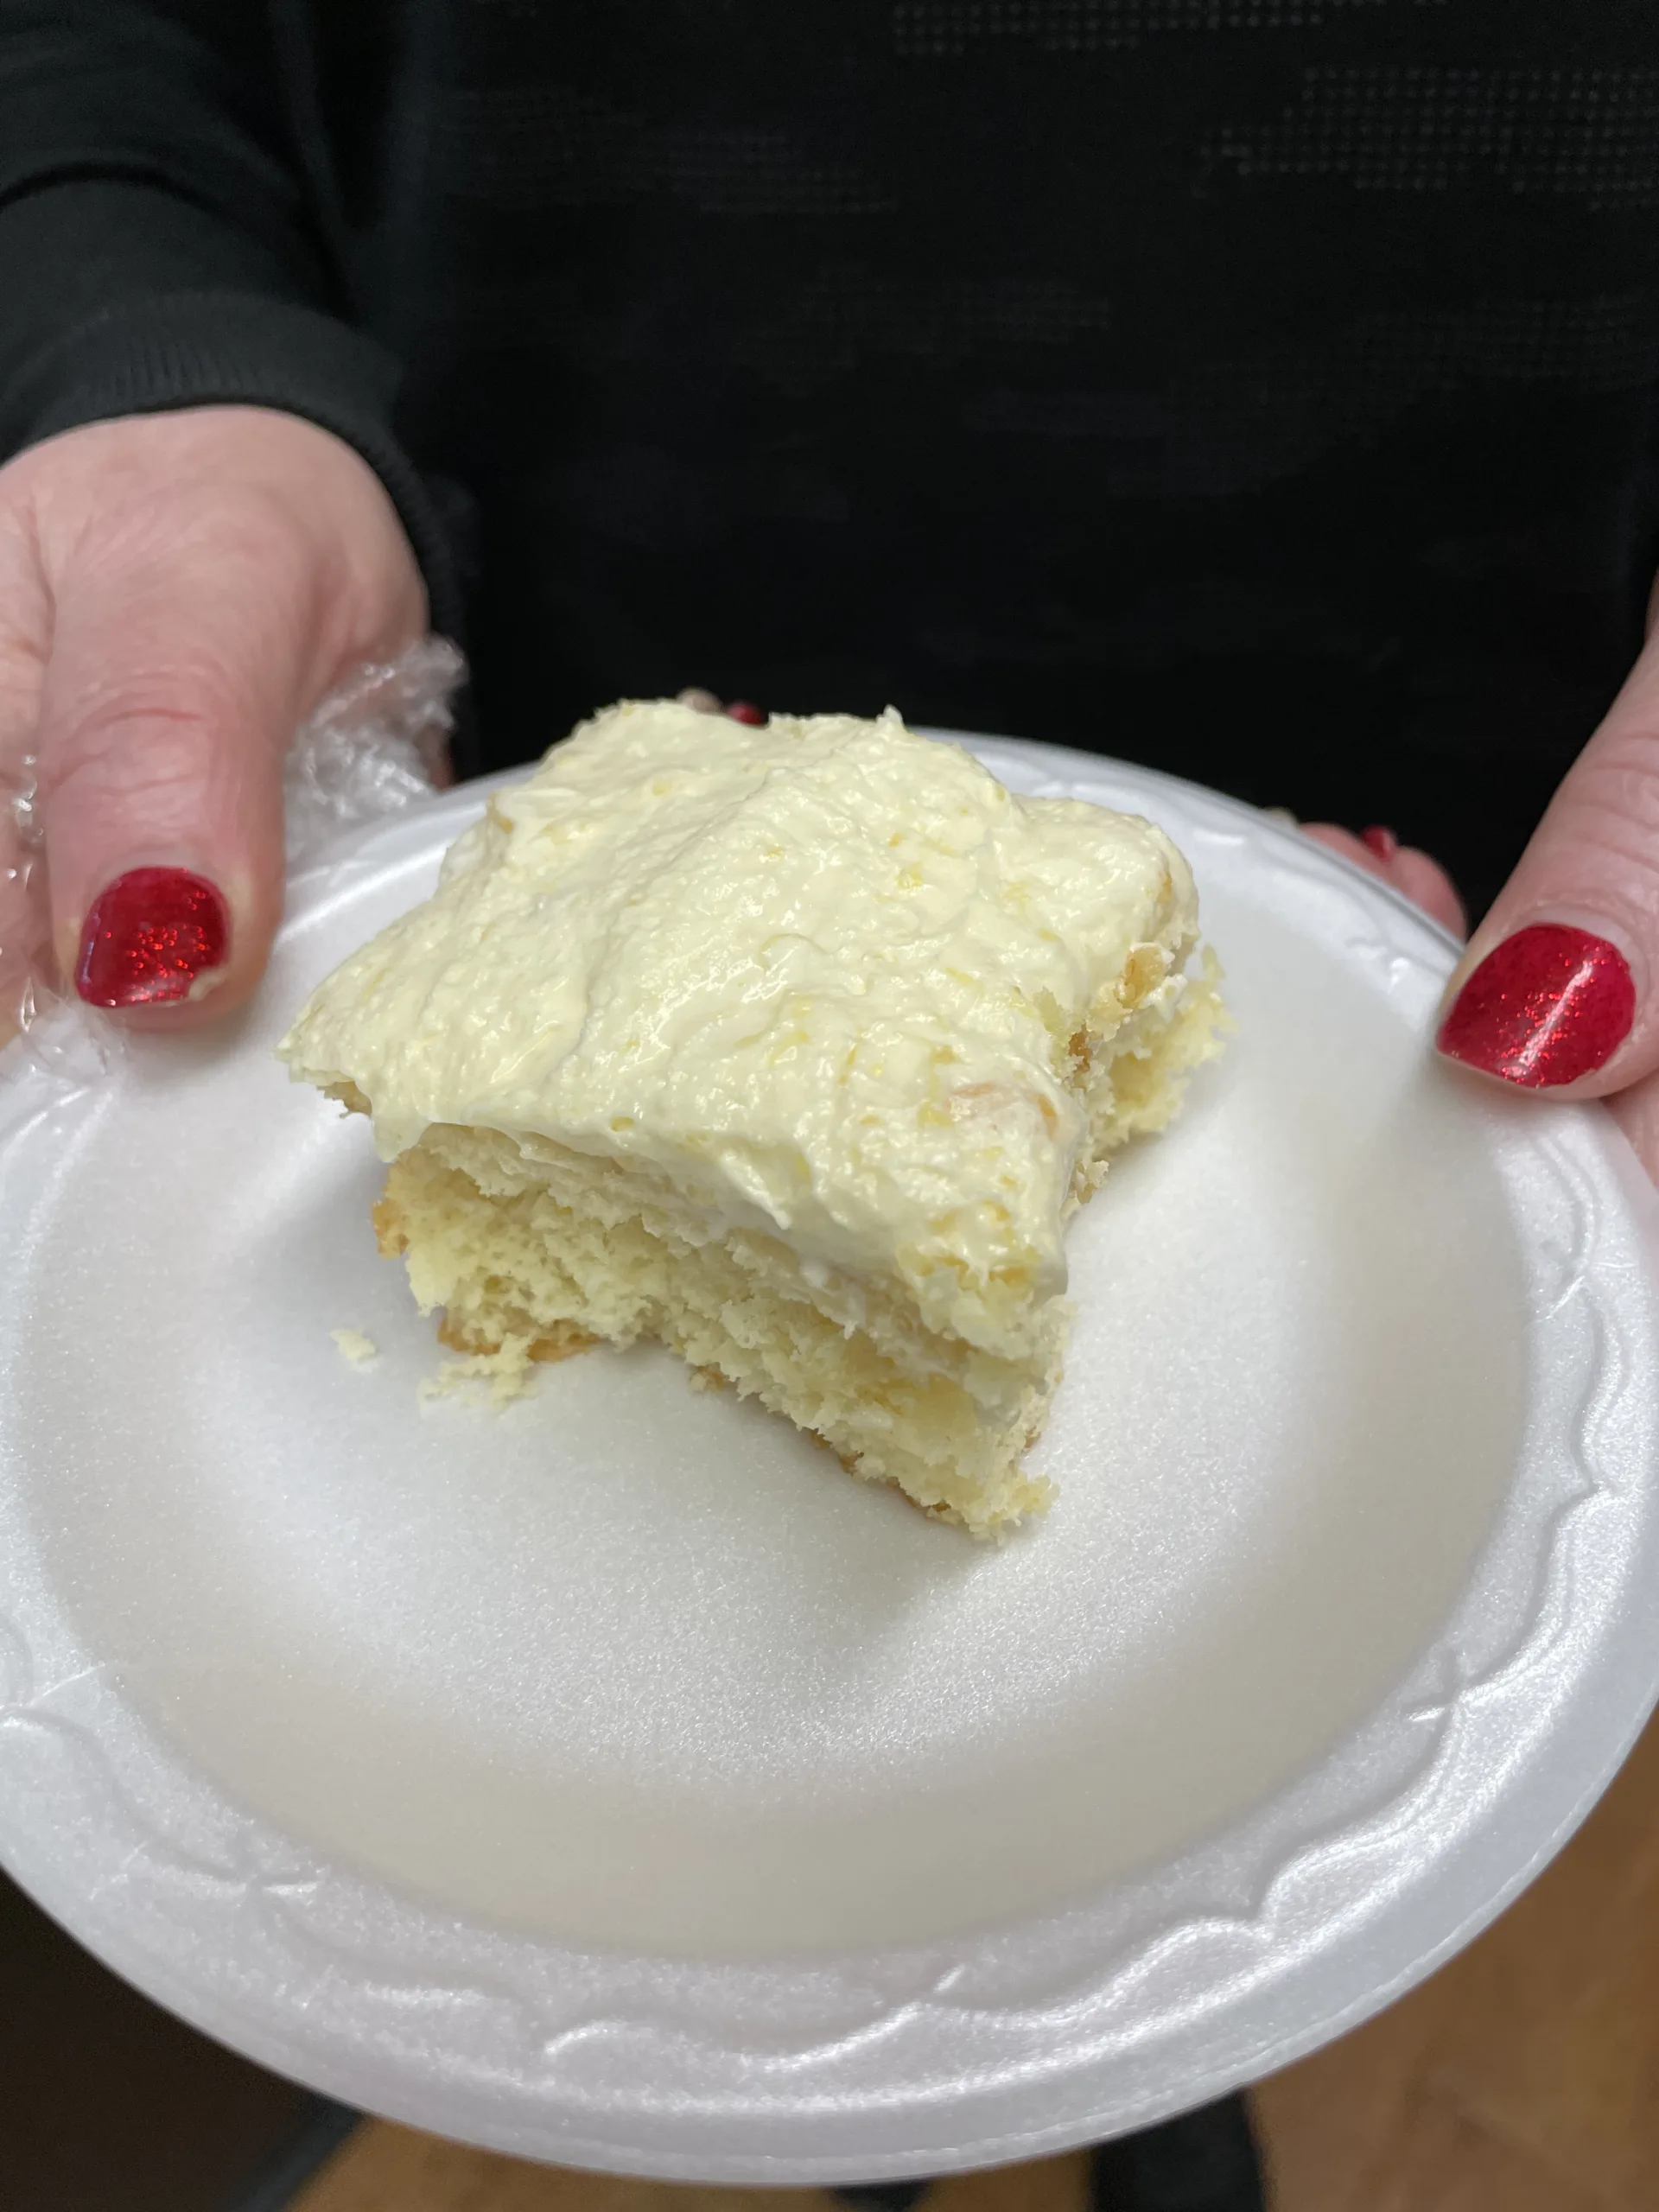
{"x": 793, "y": 1047}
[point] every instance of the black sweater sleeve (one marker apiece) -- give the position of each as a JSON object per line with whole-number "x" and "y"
{"x": 160, "y": 246}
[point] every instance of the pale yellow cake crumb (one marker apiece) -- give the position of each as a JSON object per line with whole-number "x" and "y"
{"x": 355, "y": 1348}
{"x": 506, "y": 1373}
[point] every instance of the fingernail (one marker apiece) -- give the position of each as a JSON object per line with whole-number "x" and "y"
{"x": 151, "y": 936}
{"x": 1549, "y": 1004}
{"x": 741, "y": 711}
{"x": 1383, "y": 842}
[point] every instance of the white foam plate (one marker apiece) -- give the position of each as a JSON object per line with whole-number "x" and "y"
{"x": 612, "y": 1781}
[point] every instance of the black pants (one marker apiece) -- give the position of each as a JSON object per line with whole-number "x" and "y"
{"x": 1203, "y": 2161}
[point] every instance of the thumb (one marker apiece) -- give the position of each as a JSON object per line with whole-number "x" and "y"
{"x": 188, "y": 639}
{"x": 1556, "y": 990}
{"x": 169, "y": 693}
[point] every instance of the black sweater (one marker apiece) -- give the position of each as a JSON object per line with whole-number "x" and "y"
{"x": 1262, "y": 388}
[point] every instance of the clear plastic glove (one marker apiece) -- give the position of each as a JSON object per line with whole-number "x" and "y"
{"x": 178, "y": 594}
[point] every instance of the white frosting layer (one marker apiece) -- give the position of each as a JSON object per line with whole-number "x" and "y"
{"x": 823, "y": 974}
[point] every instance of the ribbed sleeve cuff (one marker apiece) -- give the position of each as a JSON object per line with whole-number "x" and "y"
{"x": 233, "y": 348}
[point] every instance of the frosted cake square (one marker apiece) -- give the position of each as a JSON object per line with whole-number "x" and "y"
{"x": 793, "y": 1047}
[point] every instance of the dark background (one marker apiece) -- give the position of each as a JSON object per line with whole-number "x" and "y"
{"x": 108, "y": 2104}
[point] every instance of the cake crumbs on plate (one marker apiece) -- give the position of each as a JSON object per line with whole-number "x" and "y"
{"x": 507, "y": 1371}
{"x": 355, "y": 1348}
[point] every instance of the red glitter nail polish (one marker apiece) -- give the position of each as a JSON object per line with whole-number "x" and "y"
{"x": 1549, "y": 1004}
{"x": 741, "y": 711}
{"x": 1383, "y": 842}
{"x": 149, "y": 937}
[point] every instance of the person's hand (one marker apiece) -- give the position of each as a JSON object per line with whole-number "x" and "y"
{"x": 177, "y": 592}
{"x": 1380, "y": 853}
{"x": 1555, "y": 992}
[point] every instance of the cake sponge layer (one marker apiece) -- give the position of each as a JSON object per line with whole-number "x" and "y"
{"x": 531, "y": 1259}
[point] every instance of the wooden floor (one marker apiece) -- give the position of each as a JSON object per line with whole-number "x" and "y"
{"x": 1524, "y": 2077}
